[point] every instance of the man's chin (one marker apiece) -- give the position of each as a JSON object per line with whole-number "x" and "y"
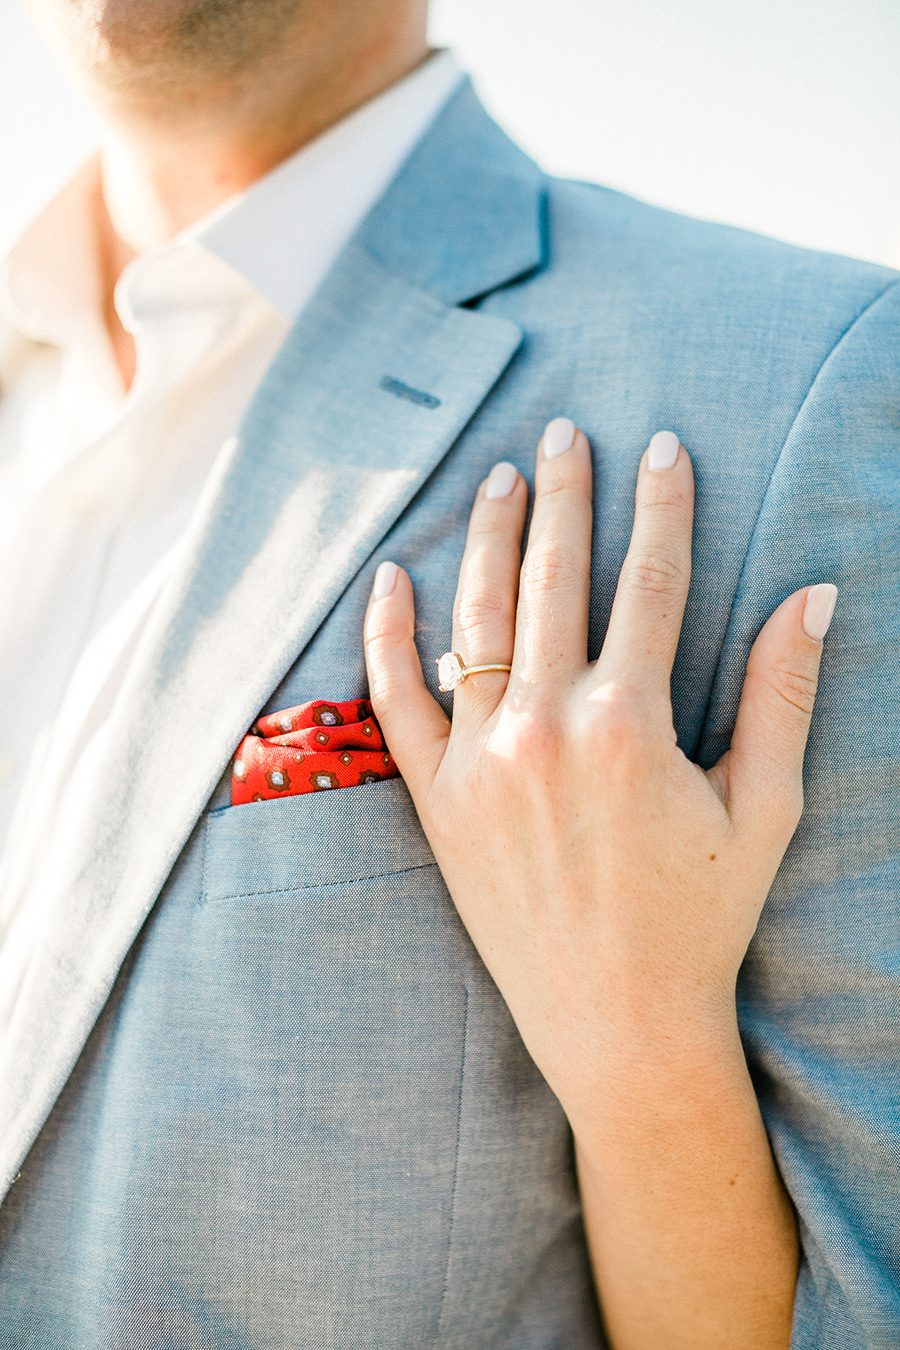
{"x": 150, "y": 42}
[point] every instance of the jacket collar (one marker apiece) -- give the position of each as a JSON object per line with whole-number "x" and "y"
{"x": 465, "y": 214}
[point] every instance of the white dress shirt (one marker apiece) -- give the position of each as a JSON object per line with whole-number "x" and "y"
{"x": 97, "y": 486}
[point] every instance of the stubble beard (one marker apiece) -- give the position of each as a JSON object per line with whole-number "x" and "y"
{"x": 149, "y": 50}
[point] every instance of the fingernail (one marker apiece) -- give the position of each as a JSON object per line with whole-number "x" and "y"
{"x": 385, "y": 576}
{"x": 559, "y": 436}
{"x": 818, "y": 609}
{"x": 662, "y": 451}
{"x": 501, "y": 480}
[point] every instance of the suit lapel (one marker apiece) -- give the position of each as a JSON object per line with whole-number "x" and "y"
{"x": 377, "y": 379}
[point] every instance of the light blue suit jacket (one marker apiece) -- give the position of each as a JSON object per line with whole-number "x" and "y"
{"x": 262, "y": 1093}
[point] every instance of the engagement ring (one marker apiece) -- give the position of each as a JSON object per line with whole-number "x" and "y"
{"x": 452, "y": 670}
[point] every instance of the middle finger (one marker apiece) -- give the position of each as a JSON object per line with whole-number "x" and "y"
{"x": 648, "y": 608}
{"x": 554, "y": 589}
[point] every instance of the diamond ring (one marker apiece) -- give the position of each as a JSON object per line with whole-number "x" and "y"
{"x": 452, "y": 670}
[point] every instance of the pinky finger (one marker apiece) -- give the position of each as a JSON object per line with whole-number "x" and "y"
{"x": 765, "y": 760}
{"x": 414, "y": 724}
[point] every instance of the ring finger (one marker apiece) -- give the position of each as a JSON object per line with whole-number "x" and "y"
{"x": 485, "y": 606}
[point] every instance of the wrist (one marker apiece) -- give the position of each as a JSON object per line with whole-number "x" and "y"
{"x": 673, "y": 1025}
{"x": 668, "y": 1067}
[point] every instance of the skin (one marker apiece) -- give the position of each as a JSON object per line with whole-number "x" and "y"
{"x": 199, "y": 98}
{"x": 612, "y": 886}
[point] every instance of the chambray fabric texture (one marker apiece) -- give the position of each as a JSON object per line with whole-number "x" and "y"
{"x": 286, "y": 1105}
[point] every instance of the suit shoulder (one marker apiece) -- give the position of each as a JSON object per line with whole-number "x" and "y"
{"x": 604, "y": 241}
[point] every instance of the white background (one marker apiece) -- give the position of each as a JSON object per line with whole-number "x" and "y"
{"x": 780, "y": 115}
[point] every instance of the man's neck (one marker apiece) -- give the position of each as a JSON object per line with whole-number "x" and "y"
{"x": 158, "y": 178}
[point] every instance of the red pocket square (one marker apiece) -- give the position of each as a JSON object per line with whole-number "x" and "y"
{"x": 314, "y": 746}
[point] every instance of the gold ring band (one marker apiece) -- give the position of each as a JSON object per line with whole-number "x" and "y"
{"x": 452, "y": 670}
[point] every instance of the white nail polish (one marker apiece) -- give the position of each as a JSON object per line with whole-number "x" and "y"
{"x": 818, "y": 609}
{"x": 559, "y": 436}
{"x": 385, "y": 576}
{"x": 501, "y": 480}
{"x": 662, "y": 451}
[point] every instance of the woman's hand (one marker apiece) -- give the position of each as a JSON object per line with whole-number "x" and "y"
{"x": 610, "y": 885}
{"x": 607, "y": 881}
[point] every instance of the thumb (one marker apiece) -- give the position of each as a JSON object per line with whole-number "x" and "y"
{"x": 414, "y": 724}
{"x": 764, "y": 765}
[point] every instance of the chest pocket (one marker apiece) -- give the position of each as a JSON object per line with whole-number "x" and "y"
{"x": 312, "y": 839}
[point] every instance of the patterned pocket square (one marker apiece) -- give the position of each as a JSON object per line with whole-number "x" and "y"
{"x": 308, "y": 748}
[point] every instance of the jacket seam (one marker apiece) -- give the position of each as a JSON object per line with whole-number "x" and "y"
{"x": 325, "y": 884}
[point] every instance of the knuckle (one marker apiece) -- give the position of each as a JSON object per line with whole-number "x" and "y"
{"x": 562, "y": 487}
{"x": 482, "y": 609}
{"x": 619, "y": 721}
{"x": 384, "y": 677}
{"x": 654, "y": 574}
{"x": 383, "y": 687}
{"x": 485, "y": 529}
{"x": 535, "y": 736}
{"x": 794, "y": 686}
{"x": 378, "y": 641}
{"x": 667, "y": 503}
{"x": 616, "y": 694}
{"x": 621, "y": 748}
{"x": 381, "y": 694}
{"x": 549, "y": 567}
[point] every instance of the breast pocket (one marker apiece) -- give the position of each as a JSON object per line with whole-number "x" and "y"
{"x": 340, "y": 969}
{"x": 300, "y": 842}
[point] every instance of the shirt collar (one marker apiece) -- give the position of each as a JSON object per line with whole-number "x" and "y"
{"x": 276, "y": 239}
{"x": 50, "y": 278}
{"x": 307, "y": 207}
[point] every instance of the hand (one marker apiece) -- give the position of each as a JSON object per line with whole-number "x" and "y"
{"x": 609, "y": 884}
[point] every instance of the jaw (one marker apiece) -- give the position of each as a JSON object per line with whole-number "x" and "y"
{"x": 147, "y": 43}
{"x": 148, "y": 64}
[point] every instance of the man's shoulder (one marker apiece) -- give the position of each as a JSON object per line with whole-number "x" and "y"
{"x": 609, "y": 248}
